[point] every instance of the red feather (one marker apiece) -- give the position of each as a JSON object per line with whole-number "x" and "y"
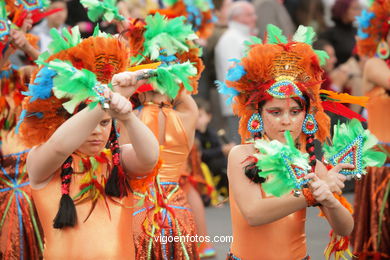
{"x": 341, "y": 110}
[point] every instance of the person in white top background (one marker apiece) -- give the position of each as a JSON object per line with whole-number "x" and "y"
{"x": 241, "y": 26}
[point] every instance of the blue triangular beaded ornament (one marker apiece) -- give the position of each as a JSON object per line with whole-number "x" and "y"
{"x": 351, "y": 154}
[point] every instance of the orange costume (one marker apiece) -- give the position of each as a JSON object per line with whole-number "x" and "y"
{"x": 90, "y": 220}
{"x": 111, "y": 222}
{"x": 273, "y": 69}
{"x": 371, "y": 189}
{"x": 266, "y": 241}
{"x": 176, "y": 216}
{"x": 20, "y": 235}
{"x": 371, "y": 235}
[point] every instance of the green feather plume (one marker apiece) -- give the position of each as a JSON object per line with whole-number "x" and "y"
{"x": 170, "y": 35}
{"x": 106, "y": 9}
{"x": 98, "y": 33}
{"x": 304, "y": 34}
{"x": 252, "y": 41}
{"x": 275, "y": 35}
{"x": 351, "y": 138}
{"x": 322, "y": 56}
{"x": 167, "y": 79}
{"x": 76, "y": 85}
{"x": 61, "y": 42}
{"x": 277, "y": 162}
{"x": 3, "y": 10}
{"x": 169, "y": 2}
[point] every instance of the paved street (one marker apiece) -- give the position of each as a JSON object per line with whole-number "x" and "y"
{"x": 317, "y": 230}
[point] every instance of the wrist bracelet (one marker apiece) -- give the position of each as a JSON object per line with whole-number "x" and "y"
{"x": 310, "y": 200}
{"x": 99, "y": 89}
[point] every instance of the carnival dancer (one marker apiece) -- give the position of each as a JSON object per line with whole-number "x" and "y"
{"x": 276, "y": 90}
{"x": 170, "y": 112}
{"x": 78, "y": 172}
{"x": 371, "y": 236}
{"x": 20, "y": 234}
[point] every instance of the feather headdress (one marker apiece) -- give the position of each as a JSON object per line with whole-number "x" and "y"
{"x": 103, "y": 56}
{"x": 374, "y": 26}
{"x": 170, "y": 43}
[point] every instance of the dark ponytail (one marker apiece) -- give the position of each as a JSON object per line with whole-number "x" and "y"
{"x": 66, "y": 215}
{"x": 117, "y": 184}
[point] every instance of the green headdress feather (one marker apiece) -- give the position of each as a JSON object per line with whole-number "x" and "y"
{"x": 352, "y": 144}
{"x": 61, "y": 42}
{"x": 275, "y": 35}
{"x": 282, "y": 165}
{"x": 303, "y": 34}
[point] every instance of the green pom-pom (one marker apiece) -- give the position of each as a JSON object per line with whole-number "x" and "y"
{"x": 168, "y": 78}
{"x": 352, "y": 144}
{"x": 106, "y": 9}
{"x": 163, "y": 34}
{"x": 282, "y": 165}
{"x": 76, "y": 85}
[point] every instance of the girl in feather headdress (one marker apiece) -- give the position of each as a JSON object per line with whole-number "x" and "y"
{"x": 371, "y": 236}
{"x": 276, "y": 94}
{"x": 20, "y": 234}
{"x": 171, "y": 113}
{"x": 78, "y": 172}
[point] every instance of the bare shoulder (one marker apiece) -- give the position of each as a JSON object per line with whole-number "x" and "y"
{"x": 242, "y": 149}
{"x": 375, "y": 61}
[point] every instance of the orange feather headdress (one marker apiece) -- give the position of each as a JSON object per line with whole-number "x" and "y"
{"x": 166, "y": 43}
{"x": 281, "y": 69}
{"x": 42, "y": 111}
{"x": 374, "y": 26}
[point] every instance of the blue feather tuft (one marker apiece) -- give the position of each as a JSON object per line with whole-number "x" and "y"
{"x": 364, "y": 20}
{"x": 42, "y": 85}
{"x": 21, "y": 118}
{"x": 23, "y": 115}
{"x": 235, "y": 73}
{"x": 362, "y": 34}
{"x": 225, "y": 90}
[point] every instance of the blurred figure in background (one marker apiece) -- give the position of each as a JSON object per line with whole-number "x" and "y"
{"x": 273, "y": 12}
{"x": 213, "y": 153}
{"x": 56, "y": 20}
{"x": 208, "y": 77}
{"x": 241, "y": 25}
{"x": 308, "y": 13}
{"x": 371, "y": 235}
{"x": 342, "y": 34}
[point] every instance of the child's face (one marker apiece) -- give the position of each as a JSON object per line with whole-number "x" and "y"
{"x": 203, "y": 120}
{"x": 98, "y": 138}
{"x": 280, "y": 115}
